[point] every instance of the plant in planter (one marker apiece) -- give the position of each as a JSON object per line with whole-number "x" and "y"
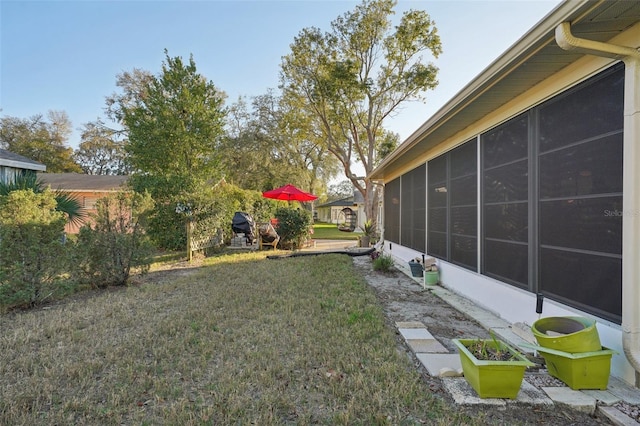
{"x": 492, "y": 368}
{"x": 369, "y": 234}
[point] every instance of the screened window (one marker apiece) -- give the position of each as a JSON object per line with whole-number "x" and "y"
{"x": 90, "y": 203}
{"x": 505, "y": 207}
{"x": 463, "y": 205}
{"x": 551, "y": 199}
{"x": 438, "y": 201}
{"x": 580, "y": 195}
{"x": 551, "y": 193}
{"x": 413, "y": 209}
{"x": 453, "y": 212}
{"x": 392, "y": 211}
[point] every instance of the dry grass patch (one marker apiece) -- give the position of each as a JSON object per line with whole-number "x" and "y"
{"x": 240, "y": 340}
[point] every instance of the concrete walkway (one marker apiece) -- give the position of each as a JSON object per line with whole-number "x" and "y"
{"x": 328, "y": 245}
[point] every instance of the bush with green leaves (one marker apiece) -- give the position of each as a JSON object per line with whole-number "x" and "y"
{"x": 116, "y": 243}
{"x": 32, "y": 251}
{"x": 294, "y": 226}
{"x": 211, "y": 210}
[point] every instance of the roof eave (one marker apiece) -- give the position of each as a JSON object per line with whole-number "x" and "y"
{"x": 22, "y": 165}
{"x": 499, "y": 68}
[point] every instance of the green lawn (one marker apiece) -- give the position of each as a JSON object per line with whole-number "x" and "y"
{"x": 239, "y": 340}
{"x": 330, "y": 231}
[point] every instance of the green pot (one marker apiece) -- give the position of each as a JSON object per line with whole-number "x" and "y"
{"x": 567, "y": 334}
{"x": 492, "y": 379}
{"x": 585, "y": 370}
{"x": 431, "y": 278}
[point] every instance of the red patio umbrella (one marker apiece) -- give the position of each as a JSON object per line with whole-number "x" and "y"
{"x": 289, "y": 193}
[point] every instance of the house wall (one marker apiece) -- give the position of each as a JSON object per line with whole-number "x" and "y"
{"x": 8, "y": 174}
{"x": 323, "y": 214}
{"x": 87, "y": 200}
{"x": 332, "y": 214}
{"x": 507, "y": 301}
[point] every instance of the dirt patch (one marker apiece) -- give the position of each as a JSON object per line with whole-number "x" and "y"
{"x": 405, "y": 300}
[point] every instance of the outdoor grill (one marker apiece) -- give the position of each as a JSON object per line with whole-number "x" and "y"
{"x": 243, "y": 223}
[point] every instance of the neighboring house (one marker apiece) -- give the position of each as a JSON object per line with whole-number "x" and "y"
{"x": 528, "y": 180}
{"x": 344, "y": 212}
{"x": 12, "y": 165}
{"x": 87, "y": 189}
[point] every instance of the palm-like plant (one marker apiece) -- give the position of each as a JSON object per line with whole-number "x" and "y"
{"x": 66, "y": 203}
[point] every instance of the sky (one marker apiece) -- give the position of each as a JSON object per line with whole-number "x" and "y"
{"x": 65, "y": 55}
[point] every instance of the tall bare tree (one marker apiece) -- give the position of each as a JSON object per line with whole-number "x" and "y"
{"x": 351, "y": 78}
{"x": 100, "y": 152}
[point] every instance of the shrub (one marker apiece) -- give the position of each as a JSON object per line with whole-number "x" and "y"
{"x": 32, "y": 254}
{"x": 165, "y": 228}
{"x": 383, "y": 263}
{"x": 108, "y": 250}
{"x": 212, "y": 209}
{"x": 294, "y": 226}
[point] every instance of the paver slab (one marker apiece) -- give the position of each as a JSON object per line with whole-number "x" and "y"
{"x": 416, "y": 333}
{"x": 436, "y": 362}
{"x": 572, "y": 398}
{"x": 426, "y": 346}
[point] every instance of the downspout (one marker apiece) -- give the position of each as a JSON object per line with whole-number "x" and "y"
{"x": 631, "y": 177}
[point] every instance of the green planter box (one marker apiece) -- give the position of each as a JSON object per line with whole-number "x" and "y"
{"x": 583, "y": 370}
{"x": 567, "y": 334}
{"x": 492, "y": 379}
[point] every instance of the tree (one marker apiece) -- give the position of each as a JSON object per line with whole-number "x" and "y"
{"x": 355, "y": 76}
{"x": 42, "y": 140}
{"x": 173, "y": 122}
{"x": 100, "y": 153}
{"x": 134, "y": 85}
{"x": 340, "y": 190}
{"x": 247, "y": 156}
{"x": 272, "y": 145}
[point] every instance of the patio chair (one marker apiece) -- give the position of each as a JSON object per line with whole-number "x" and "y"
{"x": 267, "y": 236}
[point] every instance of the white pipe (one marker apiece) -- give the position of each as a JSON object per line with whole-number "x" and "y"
{"x": 568, "y": 41}
{"x": 631, "y": 177}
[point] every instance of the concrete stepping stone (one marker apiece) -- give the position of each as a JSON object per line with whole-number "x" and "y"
{"x": 416, "y": 334}
{"x": 464, "y": 394}
{"x": 572, "y": 398}
{"x": 421, "y": 341}
{"x": 434, "y": 363}
{"x": 409, "y": 324}
{"x": 429, "y": 346}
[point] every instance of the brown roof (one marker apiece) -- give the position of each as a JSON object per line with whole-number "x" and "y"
{"x": 82, "y": 182}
